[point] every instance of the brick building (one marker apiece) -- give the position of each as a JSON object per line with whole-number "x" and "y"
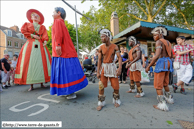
{"x": 11, "y": 39}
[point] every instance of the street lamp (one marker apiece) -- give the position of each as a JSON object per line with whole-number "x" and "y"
{"x": 76, "y": 22}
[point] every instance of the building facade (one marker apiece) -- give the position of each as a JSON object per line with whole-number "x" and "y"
{"x": 11, "y": 40}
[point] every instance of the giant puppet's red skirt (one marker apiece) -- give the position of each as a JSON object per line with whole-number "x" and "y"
{"x": 34, "y": 63}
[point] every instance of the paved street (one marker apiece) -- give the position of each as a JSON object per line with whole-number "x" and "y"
{"x": 82, "y": 113}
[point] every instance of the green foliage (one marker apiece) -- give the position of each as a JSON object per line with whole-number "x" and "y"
{"x": 89, "y": 30}
{"x": 49, "y": 43}
{"x": 178, "y": 13}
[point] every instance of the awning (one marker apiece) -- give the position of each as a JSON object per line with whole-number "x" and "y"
{"x": 142, "y": 31}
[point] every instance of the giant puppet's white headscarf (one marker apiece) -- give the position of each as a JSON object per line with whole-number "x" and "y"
{"x": 106, "y": 32}
{"x": 162, "y": 30}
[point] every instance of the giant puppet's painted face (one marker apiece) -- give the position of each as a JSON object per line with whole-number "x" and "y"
{"x": 56, "y": 15}
{"x": 35, "y": 17}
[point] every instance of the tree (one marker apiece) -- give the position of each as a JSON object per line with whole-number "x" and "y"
{"x": 157, "y": 11}
{"x": 72, "y": 33}
{"x": 89, "y": 30}
{"x": 178, "y": 13}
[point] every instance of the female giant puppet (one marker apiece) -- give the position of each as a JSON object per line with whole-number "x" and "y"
{"x": 34, "y": 61}
{"x": 67, "y": 75}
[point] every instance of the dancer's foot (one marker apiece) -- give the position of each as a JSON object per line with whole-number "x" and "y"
{"x": 116, "y": 105}
{"x": 156, "y": 107}
{"x": 124, "y": 82}
{"x": 99, "y": 108}
{"x": 120, "y": 81}
{"x": 129, "y": 91}
{"x": 138, "y": 96}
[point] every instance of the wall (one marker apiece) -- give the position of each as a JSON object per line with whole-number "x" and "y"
{"x": 14, "y": 49}
{"x": 2, "y": 43}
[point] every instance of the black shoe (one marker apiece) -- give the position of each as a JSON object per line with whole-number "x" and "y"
{"x": 183, "y": 91}
{"x": 187, "y": 84}
{"x": 4, "y": 87}
{"x": 9, "y": 85}
{"x": 175, "y": 87}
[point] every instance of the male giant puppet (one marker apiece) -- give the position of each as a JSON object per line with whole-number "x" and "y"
{"x": 163, "y": 67}
{"x": 67, "y": 75}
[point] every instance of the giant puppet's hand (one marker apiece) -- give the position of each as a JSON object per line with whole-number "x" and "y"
{"x": 44, "y": 44}
{"x": 36, "y": 37}
{"x": 58, "y": 50}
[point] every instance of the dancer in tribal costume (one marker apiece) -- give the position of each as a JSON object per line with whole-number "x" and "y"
{"x": 135, "y": 67}
{"x": 162, "y": 69}
{"x": 107, "y": 69}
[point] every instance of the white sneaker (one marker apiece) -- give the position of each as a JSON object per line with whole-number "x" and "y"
{"x": 72, "y": 96}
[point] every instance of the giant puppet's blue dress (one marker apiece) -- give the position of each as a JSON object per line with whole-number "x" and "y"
{"x": 67, "y": 75}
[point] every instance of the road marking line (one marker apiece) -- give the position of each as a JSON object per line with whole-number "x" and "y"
{"x": 40, "y": 97}
{"x": 14, "y": 109}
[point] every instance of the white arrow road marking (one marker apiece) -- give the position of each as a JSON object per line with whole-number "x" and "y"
{"x": 45, "y": 106}
{"x": 40, "y": 97}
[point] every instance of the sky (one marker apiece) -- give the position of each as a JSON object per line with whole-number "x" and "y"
{"x": 14, "y": 12}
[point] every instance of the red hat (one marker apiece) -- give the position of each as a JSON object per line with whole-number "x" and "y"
{"x": 29, "y": 12}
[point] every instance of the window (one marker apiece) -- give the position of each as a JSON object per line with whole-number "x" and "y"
{"x": 9, "y": 33}
{"x": 22, "y": 44}
{"x": 17, "y": 53}
{"x": 22, "y": 36}
{"x": 151, "y": 47}
{"x": 16, "y": 44}
{"x": 9, "y": 44}
{"x": 10, "y": 54}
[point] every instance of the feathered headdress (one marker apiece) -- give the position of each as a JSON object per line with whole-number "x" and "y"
{"x": 162, "y": 30}
{"x": 105, "y": 32}
{"x": 132, "y": 38}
